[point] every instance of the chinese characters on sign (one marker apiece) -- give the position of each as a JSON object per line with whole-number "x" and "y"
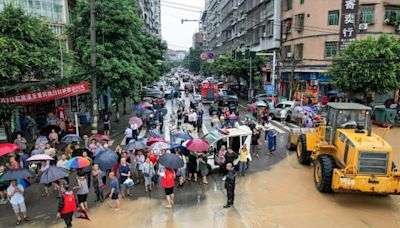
{"x": 348, "y": 23}
{"x": 47, "y": 95}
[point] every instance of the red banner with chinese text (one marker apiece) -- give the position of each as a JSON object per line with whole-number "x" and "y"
{"x": 47, "y": 95}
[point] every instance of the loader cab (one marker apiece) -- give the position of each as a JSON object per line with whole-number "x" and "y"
{"x": 347, "y": 116}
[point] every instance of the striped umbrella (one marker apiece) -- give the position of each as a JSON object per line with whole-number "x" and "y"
{"x": 77, "y": 163}
{"x": 155, "y": 134}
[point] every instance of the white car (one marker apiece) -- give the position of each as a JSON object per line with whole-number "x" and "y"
{"x": 288, "y": 105}
{"x": 232, "y": 137}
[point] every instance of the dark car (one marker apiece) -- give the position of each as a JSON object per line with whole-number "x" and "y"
{"x": 223, "y": 102}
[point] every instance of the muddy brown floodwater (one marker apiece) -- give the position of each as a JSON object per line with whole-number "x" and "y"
{"x": 283, "y": 196}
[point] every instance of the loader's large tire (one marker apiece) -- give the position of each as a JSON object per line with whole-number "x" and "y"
{"x": 303, "y": 156}
{"x": 289, "y": 144}
{"x": 323, "y": 173}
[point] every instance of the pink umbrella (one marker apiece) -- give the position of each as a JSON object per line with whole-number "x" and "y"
{"x": 197, "y": 145}
{"x": 154, "y": 140}
{"x": 40, "y": 157}
{"x": 136, "y": 120}
{"x": 7, "y": 148}
{"x": 146, "y": 105}
{"x": 102, "y": 137}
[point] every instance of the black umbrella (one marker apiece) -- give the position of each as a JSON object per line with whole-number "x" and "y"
{"x": 79, "y": 152}
{"x": 106, "y": 159}
{"x": 14, "y": 174}
{"x": 163, "y": 110}
{"x": 171, "y": 161}
{"x": 46, "y": 130}
{"x": 52, "y": 173}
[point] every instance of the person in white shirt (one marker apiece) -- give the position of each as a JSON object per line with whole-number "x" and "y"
{"x": 128, "y": 135}
{"x": 192, "y": 118}
{"x": 16, "y": 193}
{"x": 135, "y": 129}
{"x": 283, "y": 113}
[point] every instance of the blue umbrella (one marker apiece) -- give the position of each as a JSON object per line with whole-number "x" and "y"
{"x": 14, "y": 174}
{"x": 71, "y": 138}
{"x": 41, "y": 140}
{"x": 171, "y": 161}
{"x": 52, "y": 173}
{"x": 106, "y": 159}
{"x": 184, "y": 136}
{"x": 155, "y": 134}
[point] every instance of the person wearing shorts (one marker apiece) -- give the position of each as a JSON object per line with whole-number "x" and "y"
{"x": 168, "y": 183}
{"x": 16, "y": 193}
{"x": 114, "y": 186}
{"x": 83, "y": 190}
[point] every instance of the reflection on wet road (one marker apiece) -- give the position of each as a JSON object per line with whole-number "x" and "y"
{"x": 280, "y": 195}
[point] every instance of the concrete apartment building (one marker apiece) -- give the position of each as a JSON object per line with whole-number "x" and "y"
{"x": 150, "y": 12}
{"x": 176, "y": 55}
{"x": 311, "y": 34}
{"x": 241, "y": 24}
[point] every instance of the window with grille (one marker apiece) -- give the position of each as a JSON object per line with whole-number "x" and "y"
{"x": 289, "y": 4}
{"x": 391, "y": 15}
{"x": 367, "y": 14}
{"x": 298, "y": 50}
{"x": 299, "y": 22}
{"x": 331, "y": 48}
{"x": 270, "y": 28}
{"x": 333, "y": 17}
{"x": 301, "y": 2}
{"x": 285, "y": 51}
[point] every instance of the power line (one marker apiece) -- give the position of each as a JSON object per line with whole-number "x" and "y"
{"x": 180, "y": 8}
{"x": 182, "y": 5}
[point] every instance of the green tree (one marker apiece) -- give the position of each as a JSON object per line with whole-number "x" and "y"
{"x": 127, "y": 56}
{"x": 29, "y": 50}
{"x": 368, "y": 66}
{"x": 192, "y": 61}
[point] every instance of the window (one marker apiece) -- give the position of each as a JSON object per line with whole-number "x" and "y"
{"x": 287, "y": 24}
{"x": 301, "y": 2}
{"x": 299, "y": 22}
{"x": 391, "y": 15}
{"x": 298, "y": 49}
{"x": 269, "y": 8}
{"x": 367, "y": 14}
{"x": 331, "y": 48}
{"x": 270, "y": 29}
{"x": 289, "y": 4}
{"x": 333, "y": 17}
{"x": 285, "y": 51}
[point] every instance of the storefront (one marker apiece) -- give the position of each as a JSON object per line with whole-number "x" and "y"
{"x": 48, "y": 104}
{"x": 312, "y": 85}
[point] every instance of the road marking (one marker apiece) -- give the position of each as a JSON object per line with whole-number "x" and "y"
{"x": 279, "y": 125}
{"x": 242, "y": 106}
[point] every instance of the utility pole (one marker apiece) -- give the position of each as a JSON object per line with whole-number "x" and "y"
{"x": 251, "y": 79}
{"x": 93, "y": 64}
{"x": 273, "y": 72}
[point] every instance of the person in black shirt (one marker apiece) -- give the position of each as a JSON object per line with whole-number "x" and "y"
{"x": 230, "y": 185}
{"x": 254, "y": 143}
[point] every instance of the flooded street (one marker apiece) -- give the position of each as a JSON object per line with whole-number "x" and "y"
{"x": 283, "y": 196}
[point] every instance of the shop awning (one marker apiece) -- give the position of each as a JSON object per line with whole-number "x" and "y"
{"x": 47, "y": 95}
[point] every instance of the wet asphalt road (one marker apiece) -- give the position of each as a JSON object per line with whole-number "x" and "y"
{"x": 42, "y": 210}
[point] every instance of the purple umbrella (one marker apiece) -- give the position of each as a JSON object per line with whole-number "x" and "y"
{"x": 136, "y": 120}
{"x": 308, "y": 108}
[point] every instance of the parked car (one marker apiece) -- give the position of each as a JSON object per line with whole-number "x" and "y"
{"x": 289, "y": 105}
{"x": 222, "y": 103}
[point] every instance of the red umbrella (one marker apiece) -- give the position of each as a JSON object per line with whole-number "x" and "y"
{"x": 197, "y": 145}
{"x": 7, "y": 148}
{"x": 154, "y": 140}
{"x": 102, "y": 137}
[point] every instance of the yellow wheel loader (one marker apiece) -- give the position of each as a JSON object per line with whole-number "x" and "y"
{"x": 346, "y": 155}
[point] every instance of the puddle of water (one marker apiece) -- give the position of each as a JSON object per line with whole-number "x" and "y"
{"x": 285, "y": 196}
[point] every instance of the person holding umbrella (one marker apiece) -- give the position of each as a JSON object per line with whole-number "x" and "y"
{"x": 16, "y": 194}
{"x": 67, "y": 205}
{"x": 168, "y": 183}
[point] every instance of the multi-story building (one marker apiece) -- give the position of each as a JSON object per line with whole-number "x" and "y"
{"x": 150, "y": 12}
{"x": 244, "y": 24}
{"x": 312, "y": 31}
{"x": 176, "y": 55}
{"x": 197, "y": 39}
{"x": 55, "y": 13}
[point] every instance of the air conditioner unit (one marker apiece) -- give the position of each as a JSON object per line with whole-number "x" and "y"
{"x": 264, "y": 35}
{"x": 363, "y": 26}
{"x": 314, "y": 82}
{"x": 235, "y": 7}
{"x": 386, "y": 21}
